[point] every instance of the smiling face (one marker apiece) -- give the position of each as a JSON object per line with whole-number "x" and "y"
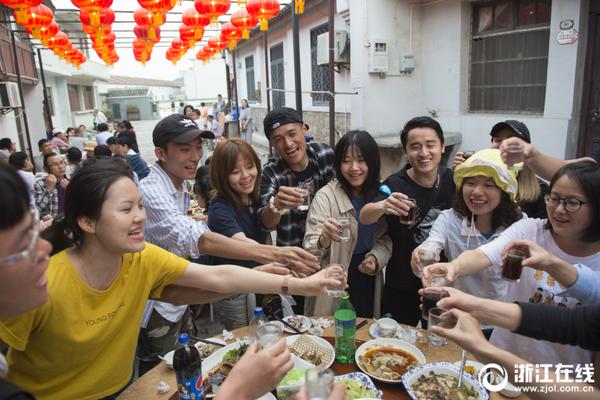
{"x": 120, "y": 228}
{"x": 180, "y": 160}
{"x": 481, "y": 195}
{"x": 289, "y": 142}
{"x": 503, "y": 134}
{"x": 565, "y": 223}
{"x": 243, "y": 177}
{"x": 424, "y": 150}
{"x": 22, "y": 283}
{"x": 354, "y": 169}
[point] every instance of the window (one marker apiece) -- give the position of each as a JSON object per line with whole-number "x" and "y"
{"x": 250, "y": 86}
{"x": 277, "y": 76}
{"x": 509, "y": 56}
{"x": 50, "y": 100}
{"x": 74, "y": 98}
{"x": 88, "y": 97}
{"x": 319, "y": 73}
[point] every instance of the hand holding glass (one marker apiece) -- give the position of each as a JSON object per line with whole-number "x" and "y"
{"x": 335, "y": 271}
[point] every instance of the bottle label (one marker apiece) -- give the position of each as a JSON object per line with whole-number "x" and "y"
{"x": 343, "y": 325}
{"x": 190, "y": 389}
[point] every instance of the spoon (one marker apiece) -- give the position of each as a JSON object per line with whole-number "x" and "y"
{"x": 463, "y": 360}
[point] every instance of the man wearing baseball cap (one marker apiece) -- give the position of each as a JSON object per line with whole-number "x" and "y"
{"x": 178, "y": 147}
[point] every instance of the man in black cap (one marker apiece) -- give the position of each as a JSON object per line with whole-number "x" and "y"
{"x": 166, "y": 200}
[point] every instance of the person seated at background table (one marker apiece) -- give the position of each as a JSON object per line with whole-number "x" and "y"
{"x": 366, "y": 252}
{"x": 577, "y": 327}
{"x": 432, "y": 186}
{"x": 483, "y": 208}
{"x": 81, "y": 343}
{"x": 135, "y": 161}
{"x": 23, "y": 261}
{"x": 531, "y": 190}
{"x": 571, "y": 233}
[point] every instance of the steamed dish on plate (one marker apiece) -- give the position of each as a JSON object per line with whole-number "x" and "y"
{"x": 440, "y": 386}
{"x": 387, "y": 362}
{"x": 215, "y": 378}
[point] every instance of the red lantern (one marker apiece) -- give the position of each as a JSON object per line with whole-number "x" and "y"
{"x": 241, "y": 19}
{"x": 264, "y": 10}
{"x": 157, "y": 6}
{"x": 93, "y": 7}
{"x": 44, "y": 32}
{"x": 145, "y": 18}
{"x": 38, "y": 17}
{"x": 143, "y": 32}
{"x": 187, "y": 34}
{"x": 59, "y": 40}
{"x": 196, "y": 21}
{"x": 106, "y": 16}
{"x": 96, "y": 31}
{"x": 173, "y": 55}
{"x": 217, "y": 43}
{"x": 20, "y": 6}
{"x": 179, "y": 45}
{"x": 231, "y": 34}
{"x": 141, "y": 52}
{"x": 212, "y": 8}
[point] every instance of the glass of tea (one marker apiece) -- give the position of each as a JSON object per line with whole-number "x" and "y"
{"x": 411, "y": 217}
{"x": 512, "y": 265}
{"x": 431, "y": 296}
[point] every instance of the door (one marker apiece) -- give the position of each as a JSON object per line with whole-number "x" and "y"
{"x": 277, "y": 76}
{"x": 589, "y": 137}
{"x": 116, "y": 112}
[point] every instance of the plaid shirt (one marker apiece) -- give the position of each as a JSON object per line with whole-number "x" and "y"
{"x": 290, "y": 230}
{"x": 45, "y": 200}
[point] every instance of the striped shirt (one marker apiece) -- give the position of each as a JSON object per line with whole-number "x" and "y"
{"x": 168, "y": 225}
{"x": 291, "y": 227}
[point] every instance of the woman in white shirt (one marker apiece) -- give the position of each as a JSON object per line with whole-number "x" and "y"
{"x": 571, "y": 233}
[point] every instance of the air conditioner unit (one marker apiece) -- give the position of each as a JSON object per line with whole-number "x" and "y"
{"x": 9, "y": 95}
{"x": 341, "y": 48}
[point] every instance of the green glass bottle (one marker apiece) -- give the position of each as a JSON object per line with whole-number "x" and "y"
{"x": 345, "y": 331}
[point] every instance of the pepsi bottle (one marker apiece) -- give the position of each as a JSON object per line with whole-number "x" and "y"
{"x": 188, "y": 369}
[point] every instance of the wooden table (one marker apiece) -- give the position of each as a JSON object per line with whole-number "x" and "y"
{"x": 146, "y": 386}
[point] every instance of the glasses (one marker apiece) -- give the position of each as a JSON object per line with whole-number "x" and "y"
{"x": 31, "y": 251}
{"x": 569, "y": 204}
{"x": 60, "y": 163}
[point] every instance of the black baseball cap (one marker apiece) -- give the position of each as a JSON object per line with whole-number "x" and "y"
{"x": 279, "y": 117}
{"x": 177, "y": 128}
{"x": 519, "y": 128}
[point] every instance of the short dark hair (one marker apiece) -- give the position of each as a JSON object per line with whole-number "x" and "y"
{"x": 102, "y": 150}
{"x": 17, "y": 159}
{"x": 41, "y": 142}
{"x": 587, "y": 175}
{"x": 421, "y": 122}
{"x": 196, "y": 111}
{"x": 74, "y": 155}
{"x": 14, "y": 198}
{"x": 362, "y": 143}
{"x": 6, "y": 143}
{"x": 102, "y": 127}
{"x": 125, "y": 140}
{"x": 188, "y": 106}
{"x": 111, "y": 140}
{"x": 202, "y": 186}
{"x": 46, "y": 157}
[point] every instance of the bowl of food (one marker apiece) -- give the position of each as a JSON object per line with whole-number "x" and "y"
{"x": 386, "y": 360}
{"x": 359, "y": 386}
{"x": 439, "y": 380}
{"x": 312, "y": 349}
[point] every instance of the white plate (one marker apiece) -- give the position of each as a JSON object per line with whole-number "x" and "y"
{"x": 320, "y": 341}
{"x": 388, "y": 342}
{"x": 441, "y": 367}
{"x": 374, "y": 332}
{"x": 365, "y": 380}
{"x": 306, "y": 324}
{"x": 168, "y": 358}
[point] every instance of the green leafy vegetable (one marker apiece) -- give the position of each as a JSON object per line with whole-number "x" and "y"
{"x": 356, "y": 390}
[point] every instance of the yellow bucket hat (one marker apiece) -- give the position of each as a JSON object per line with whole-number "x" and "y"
{"x": 488, "y": 163}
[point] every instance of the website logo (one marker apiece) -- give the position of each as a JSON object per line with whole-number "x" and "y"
{"x": 493, "y": 377}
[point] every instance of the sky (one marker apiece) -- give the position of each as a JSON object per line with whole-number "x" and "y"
{"x": 158, "y": 67}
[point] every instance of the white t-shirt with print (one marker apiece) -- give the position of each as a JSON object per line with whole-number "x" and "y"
{"x": 537, "y": 287}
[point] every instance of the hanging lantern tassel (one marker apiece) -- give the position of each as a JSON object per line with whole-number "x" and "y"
{"x": 264, "y": 24}
{"x": 158, "y": 19}
{"x": 21, "y": 16}
{"x": 299, "y": 7}
{"x": 94, "y": 18}
{"x": 232, "y": 44}
{"x": 151, "y": 33}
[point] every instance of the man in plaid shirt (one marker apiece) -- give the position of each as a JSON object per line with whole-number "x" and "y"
{"x": 299, "y": 164}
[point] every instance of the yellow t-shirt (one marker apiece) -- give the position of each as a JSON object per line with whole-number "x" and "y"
{"x": 81, "y": 343}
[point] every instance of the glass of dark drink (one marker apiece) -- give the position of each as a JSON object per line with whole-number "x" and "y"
{"x": 513, "y": 264}
{"x": 411, "y": 217}
{"x": 468, "y": 154}
{"x": 431, "y": 296}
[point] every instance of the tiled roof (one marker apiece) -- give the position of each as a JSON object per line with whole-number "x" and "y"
{"x": 128, "y": 92}
{"x": 134, "y": 81}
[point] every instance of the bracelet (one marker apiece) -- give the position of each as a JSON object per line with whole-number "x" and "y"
{"x": 320, "y": 246}
{"x": 275, "y": 209}
{"x": 285, "y": 289}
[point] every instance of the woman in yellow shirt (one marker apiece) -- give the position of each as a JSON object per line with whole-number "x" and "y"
{"x": 81, "y": 343}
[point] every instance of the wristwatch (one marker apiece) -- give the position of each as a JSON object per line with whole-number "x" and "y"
{"x": 275, "y": 209}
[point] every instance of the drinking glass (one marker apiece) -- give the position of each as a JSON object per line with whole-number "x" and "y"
{"x": 344, "y": 228}
{"x": 268, "y": 334}
{"x": 512, "y": 266}
{"x": 318, "y": 383}
{"x": 437, "y": 318}
{"x": 468, "y": 153}
{"x": 431, "y": 296}
{"x": 411, "y": 217}
{"x": 333, "y": 272}
{"x": 426, "y": 257}
{"x": 514, "y": 157}
{"x": 303, "y": 190}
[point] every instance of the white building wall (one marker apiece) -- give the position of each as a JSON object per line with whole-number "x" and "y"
{"x": 205, "y": 81}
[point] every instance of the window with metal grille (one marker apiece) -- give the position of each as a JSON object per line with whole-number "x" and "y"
{"x": 319, "y": 73}
{"x": 88, "y": 97}
{"x": 250, "y": 85}
{"x": 50, "y": 100}
{"x": 74, "y": 98}
{"x": 509, "y": 56}
{"x": 277, "y": 76}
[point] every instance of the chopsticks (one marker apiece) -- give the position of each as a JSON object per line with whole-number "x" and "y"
{"x": 361, "y": 324}
{"x": 207, "y": 341}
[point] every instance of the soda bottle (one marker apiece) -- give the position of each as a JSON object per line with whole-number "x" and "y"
{"x": 188, "y": 369}
{"x": 345, "y": 330}
{"x": 256, "y": 321}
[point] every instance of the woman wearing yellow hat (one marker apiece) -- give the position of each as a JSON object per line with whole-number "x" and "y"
{"x": 483, "y": 208}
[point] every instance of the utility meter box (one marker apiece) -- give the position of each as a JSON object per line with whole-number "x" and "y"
{"x": 379, "y": 56}
{"x": 341, "y": 48}
{"x": 407, "y": 63}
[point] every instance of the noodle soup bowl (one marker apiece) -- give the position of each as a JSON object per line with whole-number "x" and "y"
{"x": 387, "y": 359}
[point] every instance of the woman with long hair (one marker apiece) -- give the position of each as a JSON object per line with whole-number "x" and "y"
{"x": 369, "y": 248}
{"x": 81, "y": 344}
{"x": 571, "y": 233}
